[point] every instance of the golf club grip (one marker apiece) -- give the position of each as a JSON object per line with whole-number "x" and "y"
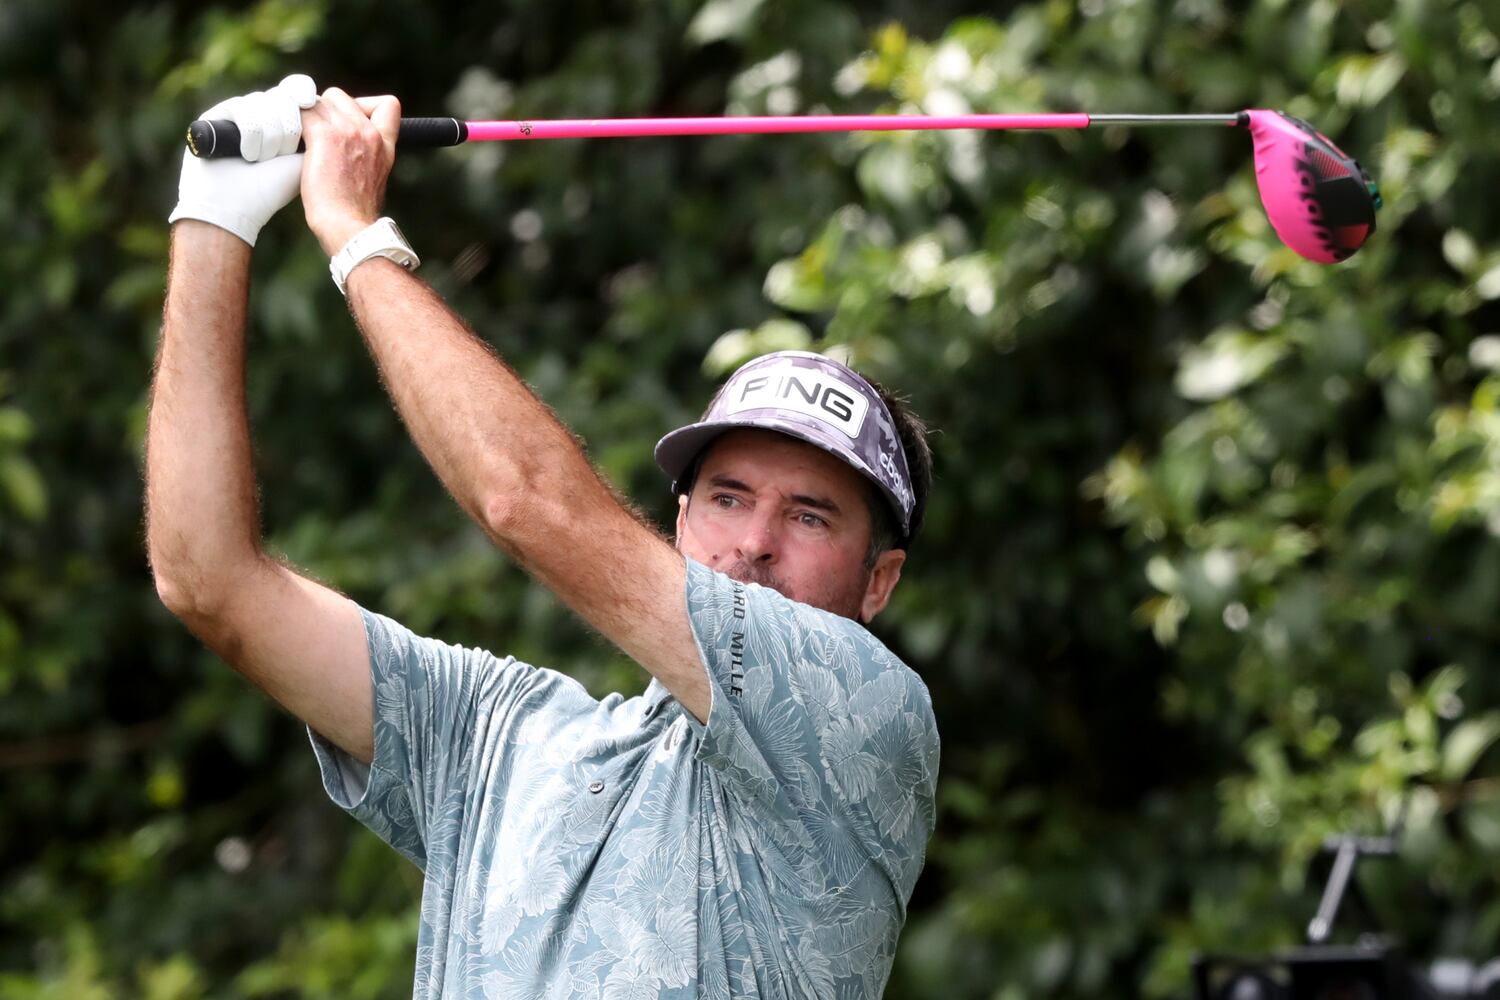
{"x": 220, "y": 138}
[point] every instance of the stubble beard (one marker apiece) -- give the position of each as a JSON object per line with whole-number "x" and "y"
{"x": 844, "y": 601}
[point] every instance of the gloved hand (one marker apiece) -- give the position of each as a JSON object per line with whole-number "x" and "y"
{"x": 241, "y": 194}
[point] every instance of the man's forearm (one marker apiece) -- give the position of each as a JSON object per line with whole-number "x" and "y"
{"x": 202, "y": 520}
{"x": 497, "y": 448}
{"x": 513, "y": 467}
{"x": 523, "y": 478}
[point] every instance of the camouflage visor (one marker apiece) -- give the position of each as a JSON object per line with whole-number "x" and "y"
{"x": 814, "y": 399}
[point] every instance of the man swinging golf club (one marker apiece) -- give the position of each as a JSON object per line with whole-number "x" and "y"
{"x": 753, "y": 825}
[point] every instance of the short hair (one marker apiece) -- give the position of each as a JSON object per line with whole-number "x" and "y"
{"x": 885, "y": 529}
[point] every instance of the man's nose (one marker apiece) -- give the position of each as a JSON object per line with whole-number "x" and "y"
{"x": 761, "y": 540}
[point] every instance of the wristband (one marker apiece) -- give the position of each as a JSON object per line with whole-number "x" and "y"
{"x": 381, "y": 238}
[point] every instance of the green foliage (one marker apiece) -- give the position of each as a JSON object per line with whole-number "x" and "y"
{"x": 339, "y": 957}
{"x": 1210, "y": 569}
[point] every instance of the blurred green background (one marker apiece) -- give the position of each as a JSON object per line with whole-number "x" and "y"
{"x": 1211, "y": 566}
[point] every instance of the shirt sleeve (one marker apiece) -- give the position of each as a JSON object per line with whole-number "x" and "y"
{"x": 433, "y": 703}
{"x": 817, "y": 727}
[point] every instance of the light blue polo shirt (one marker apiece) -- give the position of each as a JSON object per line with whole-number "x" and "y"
{"x": 617, "y": 848}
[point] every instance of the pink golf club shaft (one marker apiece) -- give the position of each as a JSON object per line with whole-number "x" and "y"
{"x": 602, "y": 128}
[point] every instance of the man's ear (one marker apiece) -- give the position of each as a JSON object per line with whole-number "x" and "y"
{"x": 682, "y": 506}
{"x": 883, "y": 580}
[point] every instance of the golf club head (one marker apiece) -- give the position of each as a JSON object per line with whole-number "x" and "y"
{"x": 1320, "y": 201}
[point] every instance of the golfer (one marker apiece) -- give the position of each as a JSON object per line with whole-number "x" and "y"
{"x": 751, "y": 826}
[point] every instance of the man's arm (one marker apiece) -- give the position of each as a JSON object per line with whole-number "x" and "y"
{"x": 504, "y": 456}
{"x": 301, "y": 643}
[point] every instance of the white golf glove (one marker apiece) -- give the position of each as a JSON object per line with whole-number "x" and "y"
{"x": 241, "y": 194}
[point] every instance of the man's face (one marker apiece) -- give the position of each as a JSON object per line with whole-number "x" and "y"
{"x": 770, "y": 509}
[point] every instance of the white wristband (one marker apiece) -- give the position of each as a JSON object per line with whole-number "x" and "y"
{"x": 381, "y": 238}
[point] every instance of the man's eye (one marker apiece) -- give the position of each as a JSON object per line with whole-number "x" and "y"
{"x": 812, "y": 521}
{"x": 724, "y": 500}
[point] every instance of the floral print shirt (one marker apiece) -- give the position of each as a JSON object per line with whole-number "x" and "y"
{"x": 582, "y": 848}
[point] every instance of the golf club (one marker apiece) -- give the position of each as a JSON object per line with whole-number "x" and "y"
{"x": 1319, "y": 200}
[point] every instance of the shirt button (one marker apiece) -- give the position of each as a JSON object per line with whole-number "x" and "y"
{"x": 596, "y": 786}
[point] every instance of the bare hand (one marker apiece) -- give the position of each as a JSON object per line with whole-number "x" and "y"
{"x": 351, "y": 145}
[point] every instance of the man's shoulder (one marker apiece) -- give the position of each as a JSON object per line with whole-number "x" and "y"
{"x": 719, "y": 597}
{"x": 814, "y": 637}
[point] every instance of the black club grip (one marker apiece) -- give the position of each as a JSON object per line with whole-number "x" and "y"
{"x": 220, "y": 138}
